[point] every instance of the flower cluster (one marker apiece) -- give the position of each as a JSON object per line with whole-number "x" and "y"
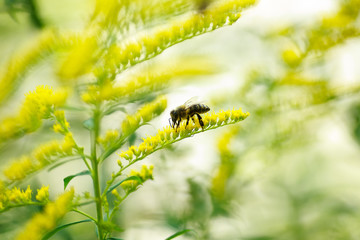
{"x": 23, "y": 61}
{"x": 47, "y": 220}
{"x": 62, "y": 125}
{"x": 80, "y": 58}
{"x": 121, "y": 14}
{"x": 144, "y": 114}
{"x": 148, "y": 45}
{"x": 17, "y": 197}
{"x": 135, "y": 86}
{"x": 38, "y": 105}
{"x": 145, "y": 174}
{"x": 41, "y": 157}
{"x": 169, "y": 135}
{"x": 227, "y": 164}
{"x": 334, "y": 29}
{"x": 132, "y": 122}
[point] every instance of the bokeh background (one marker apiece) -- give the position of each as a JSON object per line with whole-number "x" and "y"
{"x": 289, "y": 171}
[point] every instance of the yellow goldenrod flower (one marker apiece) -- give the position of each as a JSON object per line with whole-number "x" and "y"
{"x": 146, "y": 46}
{"x": 14, "y": 197}
{"x": 37, "y": 106}
{"x": 115, "y": 193}
{"x": 19, "y": 169}
{"x": 58, "y": 128}
{"x": 19, "y": 196}
{"x": 23, "y": 60}
{"x": 292, "y": 56}
{"x": 43, "y": 194}
{"x": 144, "y": 114}
{"x": 170, "y": 135}
{"x": 154, "y": 78}
{"x": 145, "y": 174}
{"x": 68, "y": 145}
{"x": 47, "y": 220}
{"x": 226, "y": 167}
{"x": 110, "y": 137}
{"x": 80, "y": 58}
{"x": 40, "y": 157}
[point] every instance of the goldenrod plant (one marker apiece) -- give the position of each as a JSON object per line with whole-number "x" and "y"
{"x": 105, "y": 70}
{"x": 286, "y": 174}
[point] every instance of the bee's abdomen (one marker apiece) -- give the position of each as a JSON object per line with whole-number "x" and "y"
{"x": 199, "y": 108}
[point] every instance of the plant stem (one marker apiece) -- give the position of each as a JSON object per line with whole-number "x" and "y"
{"x": 85, "y": 214}
{"x": 95, "y": 172}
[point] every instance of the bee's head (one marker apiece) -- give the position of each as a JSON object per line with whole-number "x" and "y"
{"x": 174, "y": 117}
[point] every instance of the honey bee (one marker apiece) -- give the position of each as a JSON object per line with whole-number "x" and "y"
{"x": 187, "y": 111}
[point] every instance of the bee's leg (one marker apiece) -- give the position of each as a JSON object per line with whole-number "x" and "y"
{"x": 200, "y": 120}
{"x": 178, "y": 124}
{"x": 187, "y": 122}
{"x": 192, "y": 117}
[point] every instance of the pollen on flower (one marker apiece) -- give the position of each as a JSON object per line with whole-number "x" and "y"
{"x": 169, "y": 135}
{"x": 45, "y": 221}
{"x": 19, "y": 169}
{"x": 57, "y": 128}
{"x": 110, "y": 138}
{"x": 38, "y": 105}
{"x": 43, "y": 194}
{"x": 39, "y": 158}
{"x": 18, "y": 196}
{"x": 145, "y": 174}
{"x": 144, "y": 114}
{"x": 68, "y": 144}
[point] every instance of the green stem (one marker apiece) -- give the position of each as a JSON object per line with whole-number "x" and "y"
{"x": 95, "y": 170}
{"x": 84, "y": 214}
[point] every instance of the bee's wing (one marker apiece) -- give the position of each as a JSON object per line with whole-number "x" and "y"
{"x": 192, "y": 101}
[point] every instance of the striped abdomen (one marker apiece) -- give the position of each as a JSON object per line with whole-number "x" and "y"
{"x": 198, "y": 108}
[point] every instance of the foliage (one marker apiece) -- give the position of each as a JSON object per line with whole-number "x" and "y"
{"x": 100, "y": 73}
{"x": 288, "y": 172}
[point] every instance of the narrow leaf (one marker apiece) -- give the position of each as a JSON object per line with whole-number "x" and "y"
{"x": 50, "y": 234}
{"x": 69, "y": 178}
{"x": 61, "y": 163}
{"x": 136, "y": 178}
{"x": 89, "y": 124}
{"x": 179, "y": 233}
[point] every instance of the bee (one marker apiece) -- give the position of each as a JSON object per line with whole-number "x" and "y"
{"x": 187, "y": 111}
{"x": 202, "y": 5}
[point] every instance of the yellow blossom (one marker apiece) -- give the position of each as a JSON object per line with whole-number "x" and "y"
{"x": 42, "y": 156}
{"x": 145, "y": 46}
{"x": 170, "y": 135}
{"x": 37, "y": 106}
{"x": 46, "y": 221}
{"x": 144, "y": 114}
{"x": 19, "y": 169}
{"x": 23, "y": 60}
{"x": 80, "y": 58}
{"x": 110, "y": 138}
{"x": 145, "y": 174}
{"x": 57, "y": 128}
{"x": 43, "y": 194}
{"x": 19, "y": 196}
{"x": 226, "y": 167}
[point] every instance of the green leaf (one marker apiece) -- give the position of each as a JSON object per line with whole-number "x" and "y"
{"x": 136, "y": 178}
{"x": 179, "y": 233}
{"x": 50, "y": 234}
{"x": 132, "y": 138}
{"x": 89, "y": 124}
{"x": 69, "y": 178}
{"x": 61, "y": 163}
